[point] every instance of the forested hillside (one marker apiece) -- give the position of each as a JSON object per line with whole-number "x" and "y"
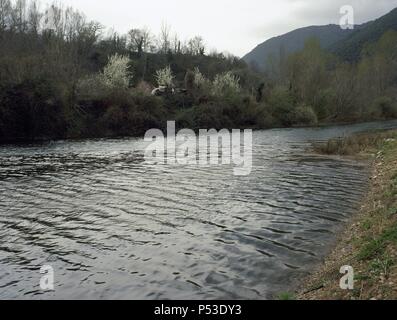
{"x": 48, "y": 57}
{"x": 62, "y": 76}
{"x": 351, "y": 47}
{"x": 268, "y": 53}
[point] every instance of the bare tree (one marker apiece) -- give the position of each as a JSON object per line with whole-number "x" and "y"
{"x": 5, "y": 12}
{"x": 196, "y": 46}
{"x": 140, "y": 40}
{"x": 176, "y": 44}
{"x": 164, "y": 39}
{"x": 34, "y": 17}
{"x": 18, "y": 16}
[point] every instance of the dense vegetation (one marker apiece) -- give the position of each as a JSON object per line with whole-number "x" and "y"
{"x": 61, "y": 77}
{"x": 351, "y": 47}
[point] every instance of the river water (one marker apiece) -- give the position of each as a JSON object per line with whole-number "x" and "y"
{"x": 114, "y": 227}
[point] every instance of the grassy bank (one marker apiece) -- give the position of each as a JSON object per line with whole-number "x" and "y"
{"x": 354, "y": 145}
{"x": 369, "y": 243}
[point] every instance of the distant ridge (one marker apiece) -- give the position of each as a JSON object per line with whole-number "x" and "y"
{"x": 347, "y": 44}
{"x": 351, "y": 47}
{"x": 294, "y": 41}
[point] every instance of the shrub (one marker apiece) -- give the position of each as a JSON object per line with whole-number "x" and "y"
{"x": 144, "y": 88}
{"x": 324, "y": 104}
{"x": 114, "y": 118}
{"x": 226, "y": 84}
{"x": 304, "y": 115}
{"x": 281, "y": 104}
{"x": 189, "y": 80}
{"x": 200, "y": 81}
{"x": 92, "y": 88}
{"x": 115, "y": 76}
{"x": 354, "y": 144}
{"x": 165, "y": 77}
{"x": 265, "y": 118}
{"x": 205, "y": 116}
{"x": 32, "y": 109}
{"x": 386, "y": 106}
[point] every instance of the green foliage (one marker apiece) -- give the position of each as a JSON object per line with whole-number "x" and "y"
{"x": 382, "y": 265}
{"x": 281, "y": 103}
{"x": 386, "y": 107}
{"x": 351, "y": 47}
{"x": 354, "y": 144}
{"x": 304, "y": 115}
{"x": 286, "y": 296}
{"x": 92, "y": 87}
{"x": 377, "y": 246}
{"x": 239, "y": 112}
{"x": 32, "y": 109}
{"x": 325, "y": 104}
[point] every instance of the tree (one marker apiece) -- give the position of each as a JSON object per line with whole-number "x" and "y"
{"x": 34, "y": 17}
{"x": 164, "y": 39}
{"x": 199, "y": 80}
{"x": 165, "y": 77}
{"x": 344, "y": 86}
{"x": 176, "y": 44}
{"x": 383, "y": 60}
{"x": 225, "y": 84}
{"x": 5, "y": 11}
{"x": 196, "y": 46}
{"x": 307, "y": 72}
{"x": 117, "y": 73}
{"x": 139, "y": 40}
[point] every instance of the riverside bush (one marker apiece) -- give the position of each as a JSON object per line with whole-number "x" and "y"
{"x": 304, "y": 115}
{"x": 387, "y": 107}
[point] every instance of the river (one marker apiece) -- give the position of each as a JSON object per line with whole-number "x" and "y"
{"x": 115, "y": 227}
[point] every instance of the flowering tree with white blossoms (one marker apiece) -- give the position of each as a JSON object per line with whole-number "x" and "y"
{"x": 117, "y": 73}
{"x": 226, "y": 83}
{"x": 165, "y": 77}
{"x": 199, "y": 80}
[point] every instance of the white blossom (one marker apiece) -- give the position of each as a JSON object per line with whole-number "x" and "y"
{"x": 226, "y": 83}
{"x": 117, "y": 73}
{"x": 165, "y": 77}
{"x": 199, "y": 79}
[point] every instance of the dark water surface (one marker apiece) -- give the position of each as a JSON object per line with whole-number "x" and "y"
{"x": 114, "y": 227}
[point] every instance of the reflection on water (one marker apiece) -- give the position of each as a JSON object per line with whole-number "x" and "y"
{"x": 115, "y": 227}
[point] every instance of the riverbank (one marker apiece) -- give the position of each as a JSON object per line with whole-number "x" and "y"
{"x": 22, "y": 141}
{"x": 369, "y": 242}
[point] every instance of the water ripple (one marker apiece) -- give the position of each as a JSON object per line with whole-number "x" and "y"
{"x": 113, "y": 226}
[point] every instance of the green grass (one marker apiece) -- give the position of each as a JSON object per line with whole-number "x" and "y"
{"x": 381, "y": 265}
{"x": 366, "y": 225}
{"x": 355, "y": 144}
{"x": 286, "y": 296}
{"x": 377, "y": 246}
{"x": 391, "y": 212}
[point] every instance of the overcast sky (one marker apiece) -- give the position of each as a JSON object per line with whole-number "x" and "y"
{"x": 236, "y": 26}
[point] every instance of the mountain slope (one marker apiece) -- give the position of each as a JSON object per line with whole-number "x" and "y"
{"x": 293, "y": 42}
{"x": 350, "y": 48}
